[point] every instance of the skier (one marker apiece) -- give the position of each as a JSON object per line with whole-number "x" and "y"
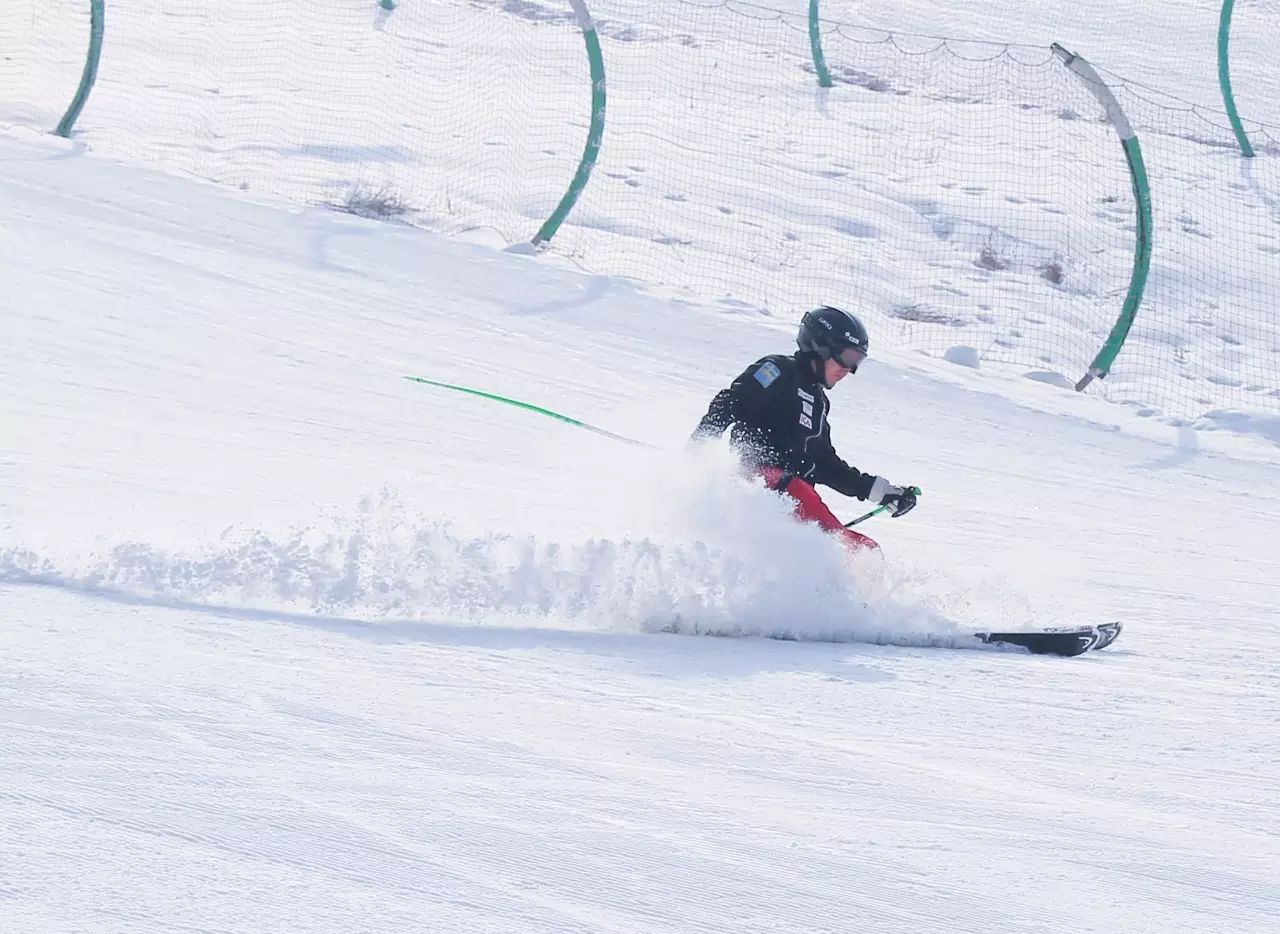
{"x": 778, "y": 409}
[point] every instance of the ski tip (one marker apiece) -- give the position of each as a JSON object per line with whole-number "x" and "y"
{"x": 1109, "y": 633}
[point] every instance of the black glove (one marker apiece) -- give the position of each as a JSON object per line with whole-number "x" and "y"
{"x": 905, "y": 502}
{"x": 901, "y": 498}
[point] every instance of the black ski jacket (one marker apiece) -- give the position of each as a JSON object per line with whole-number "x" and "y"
{"x": 778, "y": 410}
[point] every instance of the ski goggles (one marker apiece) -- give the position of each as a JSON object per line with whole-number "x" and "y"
{"x": 849, "y": 358}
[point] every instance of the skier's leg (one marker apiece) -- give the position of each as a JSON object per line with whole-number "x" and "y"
{"x": 856, "y": 541}
{"x": 811, "y": 508}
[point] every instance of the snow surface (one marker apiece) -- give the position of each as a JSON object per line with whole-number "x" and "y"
{"x": 293, "y": 644}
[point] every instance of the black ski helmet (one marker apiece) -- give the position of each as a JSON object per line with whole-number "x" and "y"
{"x": 827, "y": 331}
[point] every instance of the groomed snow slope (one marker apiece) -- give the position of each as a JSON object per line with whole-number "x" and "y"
{"x": 292, "y": 644}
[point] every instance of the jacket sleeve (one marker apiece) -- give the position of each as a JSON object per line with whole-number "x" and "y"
{"x": 832, "y": 471}
{"x": 719, "y": 416}
{"x": 746, "y": 402}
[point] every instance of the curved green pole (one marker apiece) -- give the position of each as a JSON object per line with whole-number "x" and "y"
{"x": 97, "y": 16}
{"x": 528, "y": 407}
{"x": 1224, "y": 77}
{"x": 1142, "y": 195}
{"x": 815, "y": 46}
{"x": 594, "y": 135}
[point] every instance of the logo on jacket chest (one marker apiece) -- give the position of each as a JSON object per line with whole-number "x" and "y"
{"x": 806, "y": 408}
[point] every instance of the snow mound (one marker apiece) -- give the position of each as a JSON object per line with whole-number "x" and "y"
{"x": 1257, "y": 424}
{"x": 963, "y": 355}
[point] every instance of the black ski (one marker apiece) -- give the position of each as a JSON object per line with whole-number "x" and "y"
{"x": 1067, "y": 642}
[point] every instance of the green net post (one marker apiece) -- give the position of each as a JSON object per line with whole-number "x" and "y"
{"x": 1142, "y": 196}
{"x": 97, "y": 16}
{"x": 815, "y": 46}
{"x": 1224, "y": 77}
{"x": 595, "y": 134}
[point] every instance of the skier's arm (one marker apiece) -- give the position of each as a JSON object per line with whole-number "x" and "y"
{"x": 720, "y": 415}
{"x": 744, "y": 402}
{"x": 833, "y": 472}
{"x": 850, "y": 481}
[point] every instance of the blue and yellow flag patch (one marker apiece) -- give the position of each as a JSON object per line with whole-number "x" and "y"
{"x": 767, "y": 373}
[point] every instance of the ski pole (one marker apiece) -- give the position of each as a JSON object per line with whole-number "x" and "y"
{"x": 879, "y": 509}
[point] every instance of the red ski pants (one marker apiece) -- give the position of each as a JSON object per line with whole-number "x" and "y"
{"x": 811, "y": 508}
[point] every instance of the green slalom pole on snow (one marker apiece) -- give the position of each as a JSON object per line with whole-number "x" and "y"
{"x": 530, "y": 407}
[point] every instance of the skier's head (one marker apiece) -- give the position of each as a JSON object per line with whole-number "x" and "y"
{"x": 837, "y": 339}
